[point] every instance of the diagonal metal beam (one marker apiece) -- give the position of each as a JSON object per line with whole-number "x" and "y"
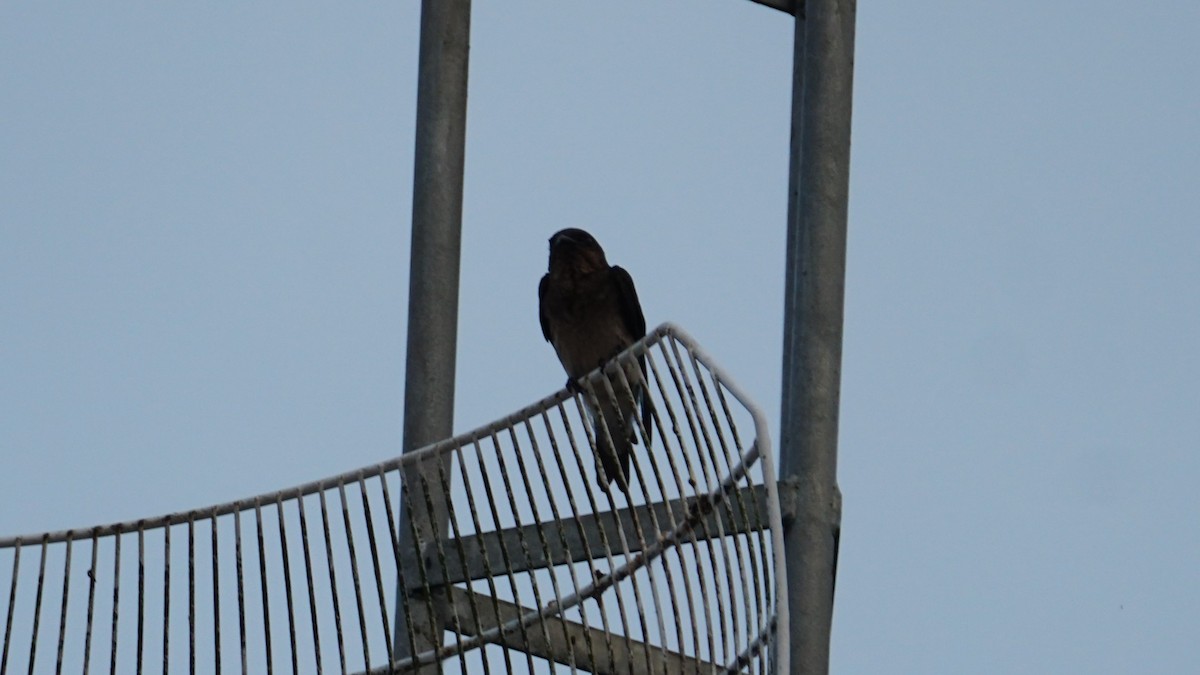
{"x": 482, "y": 555}
{"x": 566, "y": 642}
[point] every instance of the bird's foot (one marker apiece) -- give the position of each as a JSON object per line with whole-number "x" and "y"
{"x": 573, "y": 386}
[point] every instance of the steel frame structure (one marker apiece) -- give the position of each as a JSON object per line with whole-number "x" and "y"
{"x": 814, "y": 287}
{"x": 818, "y": 194}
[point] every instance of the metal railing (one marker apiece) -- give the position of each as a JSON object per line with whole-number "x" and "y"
{"x": 545, "y": 563}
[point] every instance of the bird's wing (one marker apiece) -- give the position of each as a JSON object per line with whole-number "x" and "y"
{"x": 627, "y": 301}
{"x": 635, "y": 323}
{"x": 542, "y": 307}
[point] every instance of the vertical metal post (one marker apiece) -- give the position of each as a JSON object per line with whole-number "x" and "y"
{"x": 433, "y": 285}
{"x": 812, "y": 355}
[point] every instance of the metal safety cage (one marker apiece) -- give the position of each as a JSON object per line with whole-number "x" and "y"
{"x": 544, "y": 565}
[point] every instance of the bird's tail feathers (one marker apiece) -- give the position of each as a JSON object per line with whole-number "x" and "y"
{"x": 615, "y": 433}
{"x": 615, "y": 462}
{"x": 619, "y": 415}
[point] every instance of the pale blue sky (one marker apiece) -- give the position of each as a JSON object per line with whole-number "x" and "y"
{"x": 204, "y": 222}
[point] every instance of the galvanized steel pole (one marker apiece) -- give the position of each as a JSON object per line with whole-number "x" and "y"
{"x": 812, "y": 354}
{"x": 433, "y": 285}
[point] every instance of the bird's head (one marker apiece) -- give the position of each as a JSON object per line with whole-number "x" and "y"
{"x": 575, "y": 251}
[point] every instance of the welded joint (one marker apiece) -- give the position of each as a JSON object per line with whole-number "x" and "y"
{"x": 414, "y": 568}
{"x": 790, "y": 503}
{"x": 795, "y": 7}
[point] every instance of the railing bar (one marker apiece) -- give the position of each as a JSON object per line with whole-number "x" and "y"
{"x": 562, "y": 534}
{"x": 508, "y": 566}
{"x": 62, "y": 616}
{"x": 708, "y": 462}
{"x": 287, "y": 583}
{"x": 541, "y": 535}
{"x": 437, "y": 538}
{"x": 452, "y": 520}
{"x": 191, "y": 596}
{"x": 37, "y": 606}
{"x": 362, "y": 618}
{"x": 643, "y": 427}
{"x": 693, "y": 611}
{"x": 626, "y": 387}
{"x": 523, "y": 472}
{"x": 704, "y": 421}
{"x": 594, "y": 442}
{"x": 487, "y": 565}
{"x": 435, "y": 630}
{"x": 87, "y": 642}
{"x": 604, "y": 538}
{"x": 166, "y": 656}
{"x": 263, "y": 583}
{"x": 753, "y": 551}
{"x": 603, "y": 429}
{"x": 512, "y": 503}
{"x": 369, "y": 520}
{"x": 12, "y": 604}
{"x": 401, "y": 582}
{"x": 337, "y": 606}
{"x": 312, "y": 594}
{"x": 241, "y": 587}
{"x": 141, "y": 613}
{"x": 726, "y": 618}
{"x": 762, "y": 432}
{"x": 112, "y": 659}
{"x": 706, "y": 535}
{"x": 216, "y": 595}
{"x": 729, "y": 505}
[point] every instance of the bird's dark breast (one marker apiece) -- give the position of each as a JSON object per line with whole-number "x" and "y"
{"x": 586, "y": 323}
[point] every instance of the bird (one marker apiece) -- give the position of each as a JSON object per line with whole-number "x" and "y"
{"x": 589, "y": 311}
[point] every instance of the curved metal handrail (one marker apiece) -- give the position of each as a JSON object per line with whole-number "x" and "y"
{"x": 688, "y": 572}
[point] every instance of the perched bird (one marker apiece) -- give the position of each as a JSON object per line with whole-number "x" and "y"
{"x": 590, "y": 312}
